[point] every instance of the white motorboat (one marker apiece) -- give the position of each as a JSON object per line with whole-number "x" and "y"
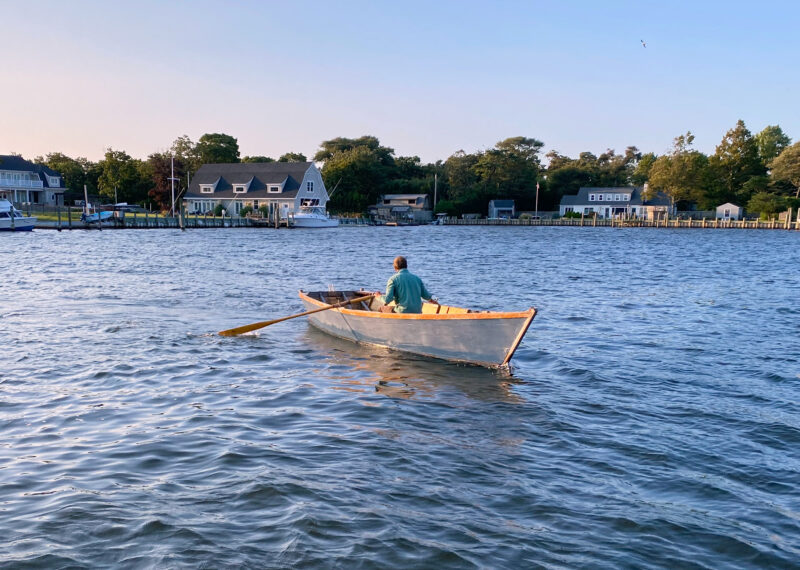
{"x": 314, "y": 217}
{"x": 12, "y": 219}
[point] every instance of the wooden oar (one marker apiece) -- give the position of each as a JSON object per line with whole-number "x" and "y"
{"x": 262, "y": 324}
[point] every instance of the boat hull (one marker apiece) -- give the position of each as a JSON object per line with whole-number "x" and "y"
{"x": 314, "y": 222}
{"x": 20, "y": 224}
{"x": 486, "y": 339}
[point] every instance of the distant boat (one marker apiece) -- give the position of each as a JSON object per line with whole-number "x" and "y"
{"x": 12, "y": 220}
{"x": 486, "y": 338}
{"x": 314, "y": 217}
{"x": 96, "y": 217}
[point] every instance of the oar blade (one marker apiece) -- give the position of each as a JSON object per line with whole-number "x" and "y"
{"x": 244, "y": 329}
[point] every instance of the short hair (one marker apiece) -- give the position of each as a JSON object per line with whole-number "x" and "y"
{"x": 400, "y": 262}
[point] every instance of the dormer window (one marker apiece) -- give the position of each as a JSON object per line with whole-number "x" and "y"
{"x": 206, "y": 189}
{"x": 239, "y": 189}
{"x": 274, "y": 189}
{"x": 599, "y": 197}
{"x": 53, "y": 180}
{"x": 591, "y": 197}
{"x": 309, "y": 186}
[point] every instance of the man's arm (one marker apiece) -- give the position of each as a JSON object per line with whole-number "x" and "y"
{"x": 390, "y": 294}
{"x": 426, "y": 294}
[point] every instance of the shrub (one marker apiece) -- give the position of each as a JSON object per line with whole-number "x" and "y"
{"x": 246, "y": 210}
{"x": 218, "y": 210}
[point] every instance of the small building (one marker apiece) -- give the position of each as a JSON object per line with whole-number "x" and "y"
{"x": 409, "y": 208}
{"x": 25, "y": 182}
{"x": 610, "y": 202}
{"x": 281, "y": 187}
{"x": 730, "y": 211}
{"x": 501, "y": 209}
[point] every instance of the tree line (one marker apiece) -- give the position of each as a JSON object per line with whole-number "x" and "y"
{"x": 760, "y": 172}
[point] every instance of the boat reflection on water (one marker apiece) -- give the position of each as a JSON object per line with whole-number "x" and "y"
{"x": 396, "y": 374}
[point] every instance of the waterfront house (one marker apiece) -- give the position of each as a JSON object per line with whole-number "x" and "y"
{"x": 281, "y": 187}
{"x": 729, "y": 211}
{"x": 25, "y": 182}
{"x": 411, "y": 208}
{"x": 501, "y": 209}
{"x": 628, "y": 201}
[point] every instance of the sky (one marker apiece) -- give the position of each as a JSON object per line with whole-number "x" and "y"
{"x": 427, "y": 78}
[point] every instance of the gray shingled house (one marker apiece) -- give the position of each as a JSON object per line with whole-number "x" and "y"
{"x": 25, "y": 182}
{"x": 279, "y": 186}
{"x": 617, "y": 201}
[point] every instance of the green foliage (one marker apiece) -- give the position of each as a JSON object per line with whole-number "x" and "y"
{"x": 75, "y": 173}
{"x": 217, "y": 148}
{"x": 293, "y": 157}
{"x": 572, "y": 215}
{"x": 252, "y": 159}
{"x": 771, "y": 142}
{"x": 683, "y": 174}
{"x": 787, "y": 167}
{"x": 218, "y": 209}
{"x": 447, "y": 207}
{"x": 124, "y": 176}
{"x": 264, "y": 211}
{"x": 246, "y": 210}
{"x": 767, "y": 205}
{"x": 736, "y": 161}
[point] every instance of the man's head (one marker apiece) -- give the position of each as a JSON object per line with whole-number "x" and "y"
{"x": 400, "y": 263}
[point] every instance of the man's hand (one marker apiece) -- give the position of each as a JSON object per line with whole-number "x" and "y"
{"x": 434, "y": 300}
{"x": 377, "y": 294}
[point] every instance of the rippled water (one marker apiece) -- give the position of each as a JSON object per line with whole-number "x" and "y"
{"x": 651, "y": 419}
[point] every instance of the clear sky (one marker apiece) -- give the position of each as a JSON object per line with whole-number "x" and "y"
{"x": 426, "y": 78}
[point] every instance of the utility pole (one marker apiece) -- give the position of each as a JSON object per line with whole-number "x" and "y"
{"x": 173, "y": 179}
{"x": 536, "y": 213}
{"x": 435, "y": 187}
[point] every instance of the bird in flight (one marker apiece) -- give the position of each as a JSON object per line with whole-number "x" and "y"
{"x": 643, "y": 44}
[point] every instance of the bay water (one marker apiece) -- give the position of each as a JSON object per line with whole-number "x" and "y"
{"x": 651, "y": 418}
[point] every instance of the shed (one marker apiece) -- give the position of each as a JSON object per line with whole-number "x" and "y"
{"x": 501, "y": 209}
{"x": 728, "y": 211}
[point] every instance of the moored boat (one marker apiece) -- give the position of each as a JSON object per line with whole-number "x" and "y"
{"x": 486, "y": 338}
{"x": 12, "y": 219}
{"x": 314, "y": 217}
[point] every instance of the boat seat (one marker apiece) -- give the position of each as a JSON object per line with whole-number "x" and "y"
{"x": 430, "y": 308}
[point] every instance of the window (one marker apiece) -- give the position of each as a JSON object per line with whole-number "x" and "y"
{"x": 587, "y": 210}
{"x": 53, "y": 181}
{"x": 255, "y": 204}
{"x": 309, "y": 186}
{"x": 239, "y": 189}
{"x": 599, "y": 197}
{"x": 206, "y": 189}
{"x": 591, "y": 197}
{"x": 617, "y": 197}
{"x": 274, "y": 189}
{"x": 626, "y": 197}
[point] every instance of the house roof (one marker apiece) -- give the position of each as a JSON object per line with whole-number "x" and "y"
{"x": 403, "y": 196}
{"x": 582, "y": 197}
{"x": 502, "y": 203}
{"x": 728, "y": 204}
{"x": 259, "y": 175}
{"x": 13, "y": 162}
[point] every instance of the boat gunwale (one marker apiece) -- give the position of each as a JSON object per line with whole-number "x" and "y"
{"x": 423, "y": 316}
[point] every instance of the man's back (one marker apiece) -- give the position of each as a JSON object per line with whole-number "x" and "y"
{"x": 407, "y": 290}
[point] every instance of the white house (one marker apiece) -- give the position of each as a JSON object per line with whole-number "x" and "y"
{"x": 26, "y": 182}
{"x": 617, "y": 201}
{"x": 501, "y": 209}
{"x": 729, "y": 211}
{"x": 279, "y": 186}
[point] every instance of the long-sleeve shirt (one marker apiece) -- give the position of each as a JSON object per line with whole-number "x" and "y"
{"x": 407, "y": 290}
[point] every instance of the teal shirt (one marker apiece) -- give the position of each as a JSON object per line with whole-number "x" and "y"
{"x": 407, "y": 290}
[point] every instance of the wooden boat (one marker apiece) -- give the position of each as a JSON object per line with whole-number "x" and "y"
{"x": 451, "y": 333}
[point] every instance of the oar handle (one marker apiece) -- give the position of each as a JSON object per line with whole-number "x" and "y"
{"x": 260, "y": 325}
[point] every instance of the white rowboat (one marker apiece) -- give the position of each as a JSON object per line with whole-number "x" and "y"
{"x": 451, "y": 333}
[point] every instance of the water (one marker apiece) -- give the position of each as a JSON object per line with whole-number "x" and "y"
{"x": 651, "y": 419}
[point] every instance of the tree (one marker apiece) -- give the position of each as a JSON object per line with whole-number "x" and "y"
{"x": 787, "y": 167}
{"x": 736, "y": 160}
{"x": 120, "y": 178}
{"x": 159, "y": 170}
{"x": 770, "y": 143}
{"x": 766, "y": 204}
{"x": 683, "y": 174}
{"x": 74, "y": 171}
{"x": 217, "y": 148}
{"x": 257, "y": 159}
{"x": 641, "y": 172}
{"x": 184, "y": 149}
{"x": 293, "y": 157}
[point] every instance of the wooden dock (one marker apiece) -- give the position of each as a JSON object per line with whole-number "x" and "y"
{"x": 667, "y": 223}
